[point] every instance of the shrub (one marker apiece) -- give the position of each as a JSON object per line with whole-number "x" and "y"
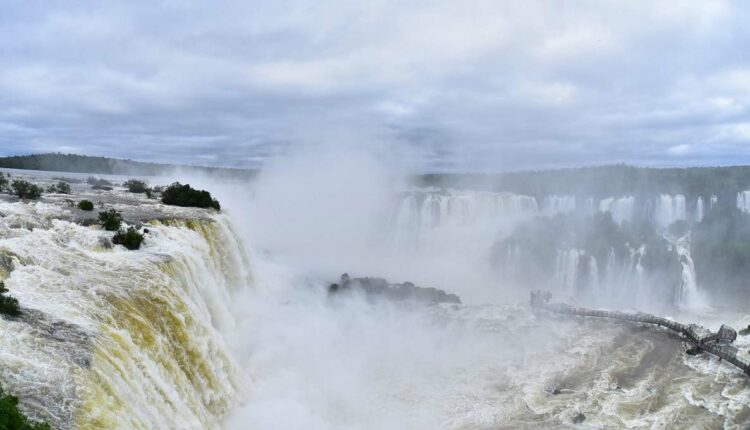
{"x": 61, "y": 188}
{"x": 98, "y": 182}
{"x": 3, "y": 182}
{"x": 8, "y": 305}
{"x": 130, "y": 239}
{"x": 26, "y": 190}
{"x": 110, "y": 219}
{"x": 85, "y": 205}
{"x": 12, "y": 419}
{"x": 135, "y": 186}
{"x": 178, "y": 194}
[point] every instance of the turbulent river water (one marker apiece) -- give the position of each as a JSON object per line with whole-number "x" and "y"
{"x": 199, "y": 329}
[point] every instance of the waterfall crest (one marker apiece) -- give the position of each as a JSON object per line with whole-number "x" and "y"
{"x": 142, "y": 331}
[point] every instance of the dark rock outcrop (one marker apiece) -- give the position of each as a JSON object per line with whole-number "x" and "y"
{"x": 380, "y": 288}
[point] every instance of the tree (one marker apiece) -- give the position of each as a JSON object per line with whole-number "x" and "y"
{"x": 85, "y": 205}
{"x": 26, "y": 190}
{"x": 61, "y": 187}
{"x": 12, "y": 419}
{"x": 136, "y": 186}
{"x": 130, "y": 239}
{"x": 110, "y": 219}
{"x": 178, "y": 194}
{"x": 8, "y": 305}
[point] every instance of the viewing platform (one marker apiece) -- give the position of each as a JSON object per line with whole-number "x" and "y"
{"x": 718, "y": 343}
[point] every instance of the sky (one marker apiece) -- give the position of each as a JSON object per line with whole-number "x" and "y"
{"x": 448, "y": 85}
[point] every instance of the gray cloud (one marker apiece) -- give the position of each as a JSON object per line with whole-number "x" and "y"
{"x": 462, "y": 85}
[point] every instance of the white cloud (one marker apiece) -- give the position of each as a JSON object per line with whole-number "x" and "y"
{"x": 515, "y": 83}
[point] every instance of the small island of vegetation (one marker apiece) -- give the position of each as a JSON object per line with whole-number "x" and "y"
{"x": 178, "y": 194}
{"x": 8, "y": 304}
{"x": 130, "y": 238}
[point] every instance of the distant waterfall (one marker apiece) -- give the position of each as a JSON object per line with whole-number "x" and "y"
{"x": 687, "y": 294}
{"x": 434, "y": 220}
{"x": 594, "y": 276}
{"x": 669, "y": 209}
{"x": 700, "y": 210}
{"x": 621, "y": 208}
{"x": 743, "y": 201}
{"x": 559, "y": 204}
{"x": 567, "y": 270}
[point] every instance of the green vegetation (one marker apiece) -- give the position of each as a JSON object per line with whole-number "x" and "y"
{"x": 604, "y": 181}
{"x": 85, "y": 205}
{"x": 721, "y": 250}
{"x": 178, "y": 194}
{"x": 61, "y": 187}
{"x": 68, "y": 179}
{"x": 110, "y": 219}
{"x": 3, "y": 182}
{"x": 12, "y": 419}
{"x": 98, "y": 182}
{"x": 26, "y": 190}
{"x": 107, "y": 166}
{"x": 8, "y": 305}
{"x": 130, "y": 239}
{"x": 136, "y": 186}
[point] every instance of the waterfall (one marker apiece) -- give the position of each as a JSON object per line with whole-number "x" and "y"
{"x": 634, "y": 279}
{"x": 700, "y": 211}
{"x": 669, "y": 209}
{"x": 743, "y": 201}
{"x": 567, "y": 270}
{"x": 621, "y": 208}
{"x": 594, "y": 276}
{"x": 559, "y": 204}
{"x": 687, "y": 294}
{"x": 427, "y": 220}
{"x": 120, "y": 339}
{"x": 611, "y": 267}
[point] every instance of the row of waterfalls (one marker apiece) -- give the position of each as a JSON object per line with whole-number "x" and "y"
{"x": 429, "y": 209}
{"x": 473, "y": 221}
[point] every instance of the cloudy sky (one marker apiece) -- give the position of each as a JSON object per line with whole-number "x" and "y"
{"x": 454, "y": 85}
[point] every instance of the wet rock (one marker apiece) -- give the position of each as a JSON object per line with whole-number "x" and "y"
{"x": 745, "y": 331}
{"x": 693, "y": 351}
{"x": 578, "y": 418}
{"x": 105, "y": 242}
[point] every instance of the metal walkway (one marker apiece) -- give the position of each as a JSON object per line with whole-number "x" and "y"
{"x": 718, "y": 344}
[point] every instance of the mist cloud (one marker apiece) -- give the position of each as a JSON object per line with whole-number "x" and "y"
{"x": 478, "y": 85}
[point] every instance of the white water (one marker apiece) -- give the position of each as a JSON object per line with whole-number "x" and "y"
{"x": 142, "y": 331}
{"x": 669, "y": 208}
{"x": 743, "y": 201}
{"x": 700, "y": 210}
{"x": 621, "y": 208}
{"x": 187, "y": 334}
{"x": 559, "y": 204}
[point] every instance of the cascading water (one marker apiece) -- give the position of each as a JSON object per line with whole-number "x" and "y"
{"x": 429, "y": 220}
{"x": 567, "y": 271}
{"x": 594, "y": 276}
{"x": 700, "y": 210}
{"x": 669, "y": 209}
{"x": 621, "y": 208}
{"x": 743, "y": 201}
{"x": 119, "y": 339}
{"x": 559, "y": 204}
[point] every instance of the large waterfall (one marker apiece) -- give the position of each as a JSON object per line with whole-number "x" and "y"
{"x": 116, "y": 339}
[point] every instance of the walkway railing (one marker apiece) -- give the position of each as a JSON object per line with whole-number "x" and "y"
{"x": 717, "y": 343}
